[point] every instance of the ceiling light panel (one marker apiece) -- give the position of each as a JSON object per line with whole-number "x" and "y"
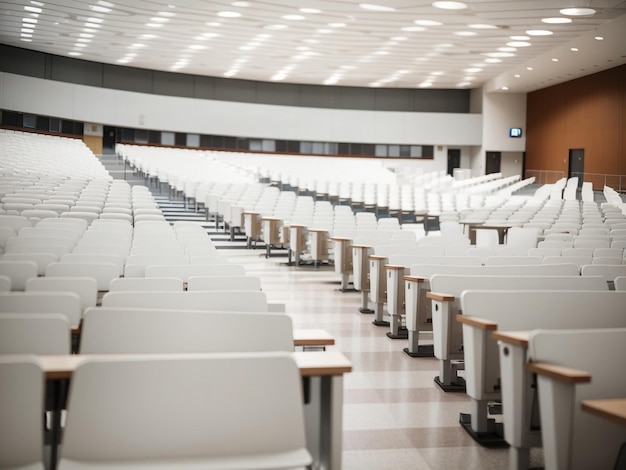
{"x": 377, "y": 37}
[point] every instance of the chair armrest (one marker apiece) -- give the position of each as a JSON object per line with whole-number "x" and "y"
{"x": 560, "y": 373}
{"x": 476, "y": 322}
{"x": 440, "y": 297}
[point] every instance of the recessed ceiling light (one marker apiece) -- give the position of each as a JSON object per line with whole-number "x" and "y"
{"x": 83, "y": 40}
{"x": 517, "y": 75}
{"x": 78, "y": 44}
{"x": 465, "y": 33}
{"x": 372, "y": 7}
{"x": 482, "y": 26}
{"x": 38, "y": 4}
{"x": 493, "y": 60}
{"x": 413, "y": 29}
{"x": 94, "y": 20}
{"x": 293, "y": 17}
{"x": 196, "y": 47}
{"x": 159, "y": 19}
{"x": 85, "y": 35}
{"x": 381, "y": 52}
{"x": 29, "y": 20}
{"x": 574, "y": 49}
{"x": 148, "y": 36}
{"x": 33, "y": 9}
{"x": 529, "y": 68}
{"x": 26, "y": 39}
{"x": 425, "y": 84}
{"x": 577, "y": 11}
{"x": 229, "y": 14}
{"x": 310, "y": 10}
{"x": 99, "y": 9}
{"x": 27, "y": 30}
{"x": 278, "y": 77}
{"x": 499, "y": 54}
{"x": 463, "y": 84}
{"x": 554, "y": 59}
{"x": 473, "y": 70}
{"x": 240, "y": 4}
{"x": 336, "y": 25}
{"x": 518, "y": 44}
{"x": 136, "y": 46}
{"x": 556, "y": 20}
{"x": 26, "y": 35}
{"x": 275, "y": 27}
{"x": 507, "y": 49}
{"x": 324, "y": 31}
{"x": 450, "y": 5}
{"x": 154, "y": 25}
{"x": 74, "y": 53}
{"x": 505, "y": 88}
{"x": 520, "y": 38}
{"x": 599, "y": 38}
{"x": 427, "y": 23}
{"x": 539, "y": 32}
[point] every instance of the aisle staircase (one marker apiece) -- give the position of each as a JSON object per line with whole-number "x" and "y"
{"x": 174, "y": 206}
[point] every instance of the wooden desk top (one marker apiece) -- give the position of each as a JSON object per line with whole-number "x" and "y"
{"x": 310, "y": 363}
{"x": 516, "y": 338}
{"x": 414, "y": 278}
{"x": 613, "y": 409}
{"x": 486, "y": 226}
{"x": 311, "y": 337}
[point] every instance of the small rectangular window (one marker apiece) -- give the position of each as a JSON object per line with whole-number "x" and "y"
{"x": 30, "y": 121}
{"x": 269, "y": 145}
{"x": 167, "y": 138}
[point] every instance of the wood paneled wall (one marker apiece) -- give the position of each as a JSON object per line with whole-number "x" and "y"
{"x": 587, "y": 113}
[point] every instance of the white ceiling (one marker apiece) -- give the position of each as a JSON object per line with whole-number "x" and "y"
{"x": 341, "y": 44}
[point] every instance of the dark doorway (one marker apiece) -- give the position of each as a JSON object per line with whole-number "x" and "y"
{"x": 108, "y": 139}
{"x": 494, "y": 160}
{"x": 577, "y": 165}
{"x": 454, "y": 160}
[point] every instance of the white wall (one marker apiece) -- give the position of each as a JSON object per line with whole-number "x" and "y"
{"x": 176, "y": 114}
{"x": 511, "y": 164}
{"x": 500, "y": 112}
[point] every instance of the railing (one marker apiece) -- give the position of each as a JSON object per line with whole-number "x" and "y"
{"x": 545, "y": 176}
{"x": 598, "y": 180}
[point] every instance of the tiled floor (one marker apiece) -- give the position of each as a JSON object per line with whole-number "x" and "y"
{"x": 395, "y": 417}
